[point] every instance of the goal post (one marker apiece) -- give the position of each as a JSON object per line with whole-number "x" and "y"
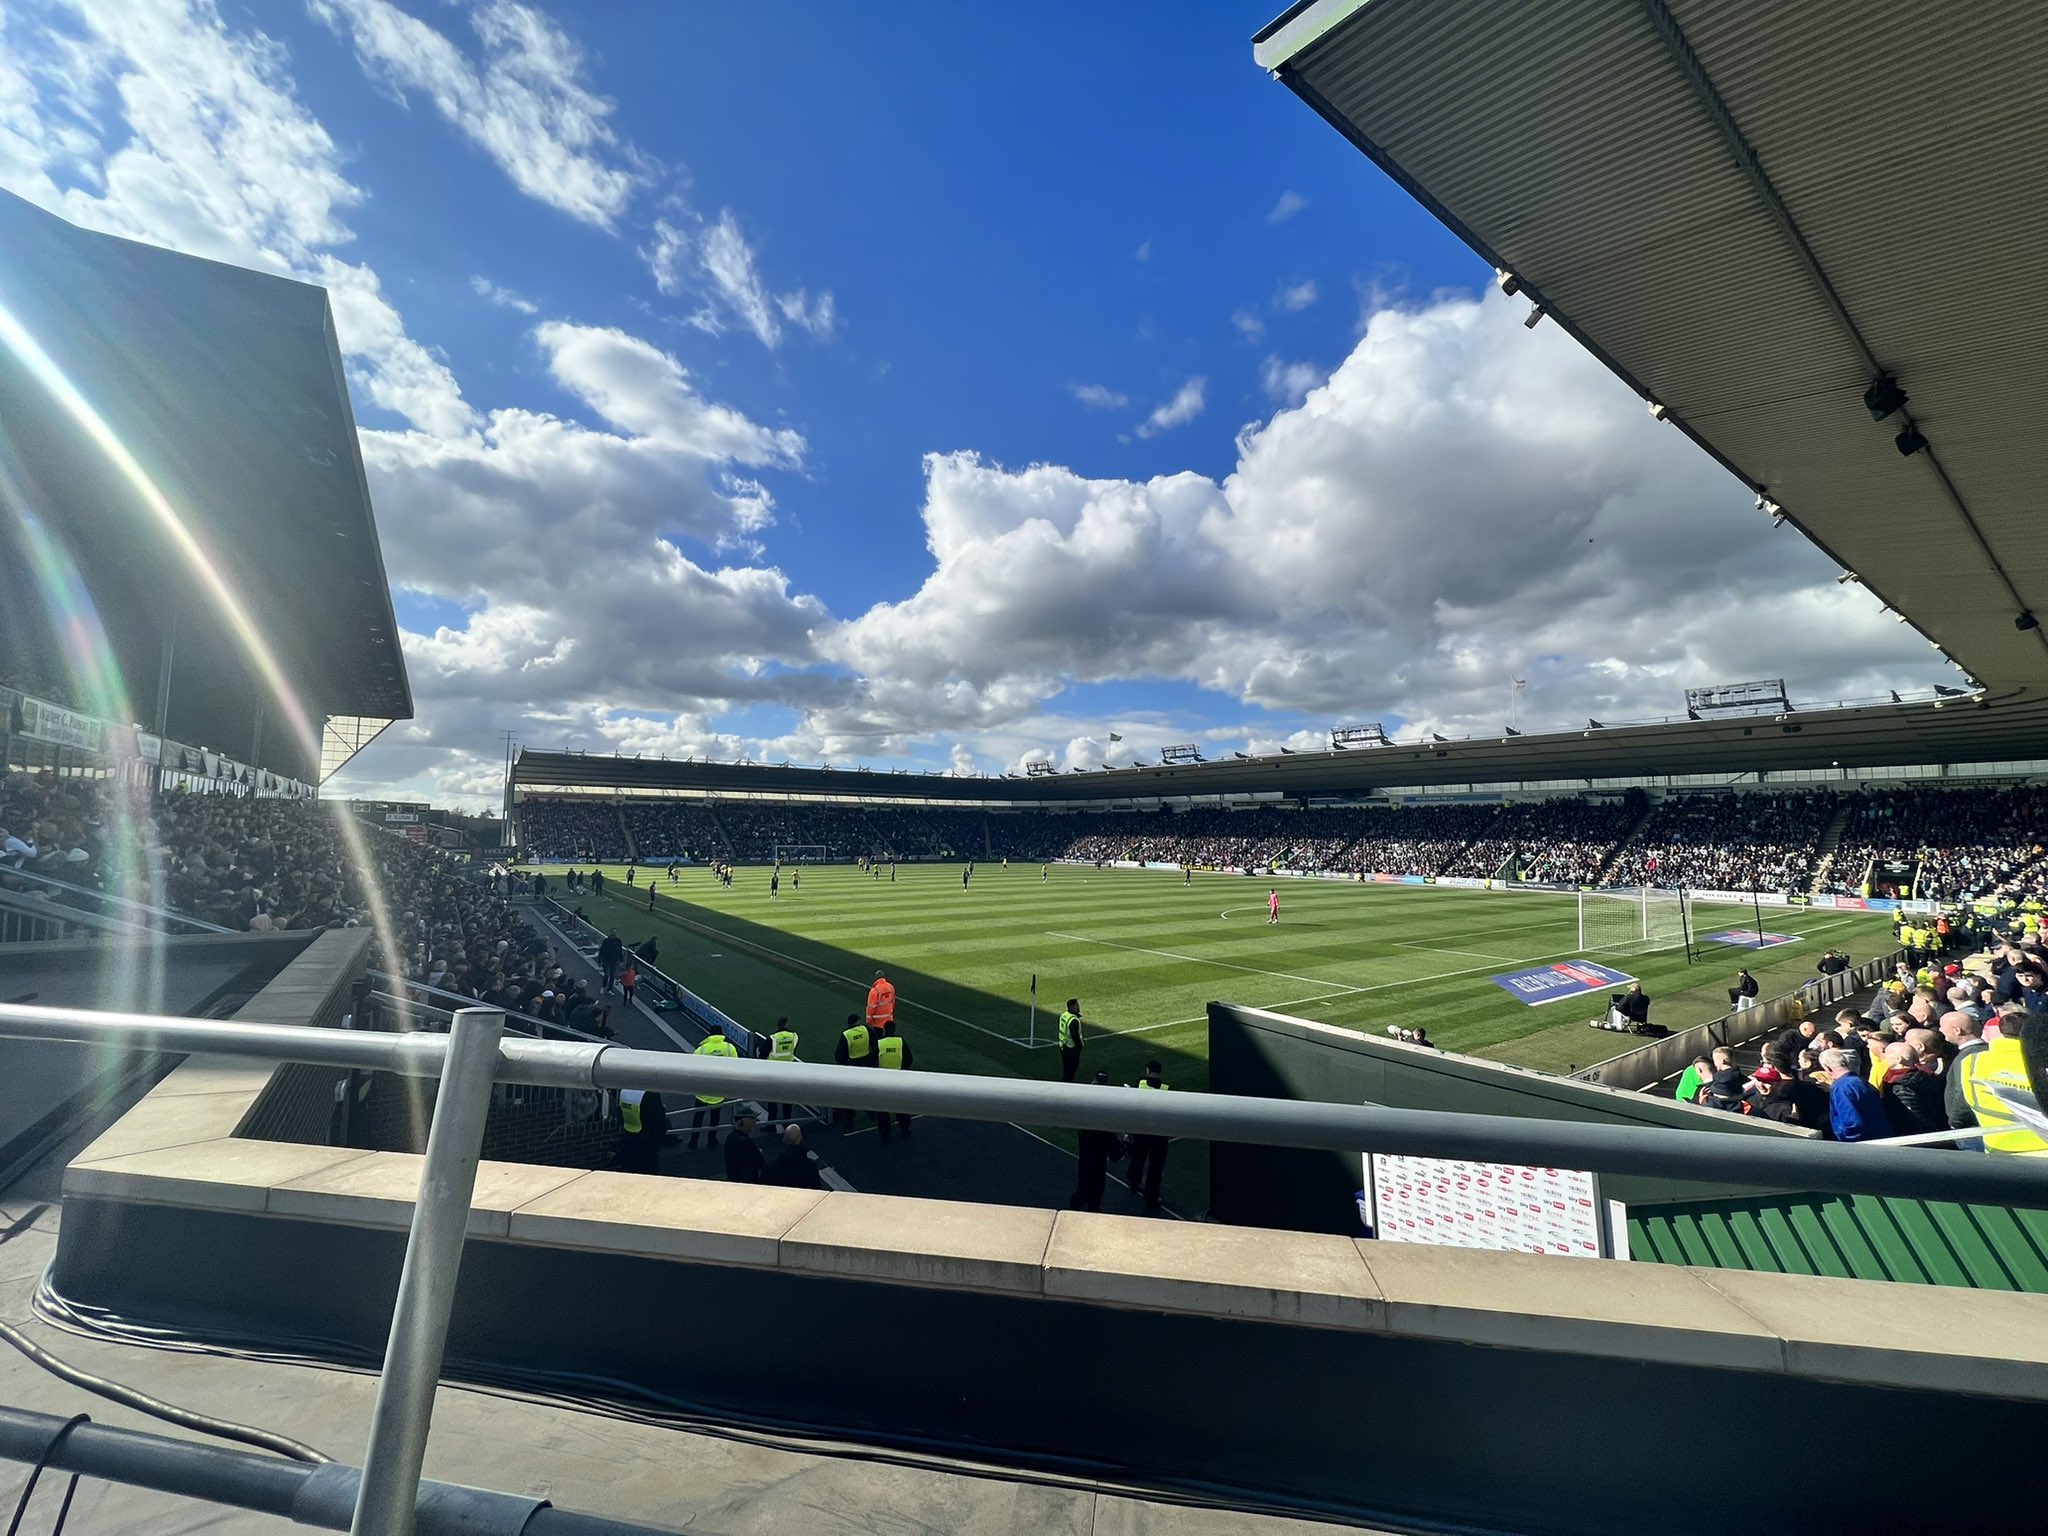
{"x": 801, "y": 853}
{"x": 1638, "y": 918}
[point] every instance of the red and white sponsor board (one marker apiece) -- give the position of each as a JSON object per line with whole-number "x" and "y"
{"x": 1501, "y": 1206}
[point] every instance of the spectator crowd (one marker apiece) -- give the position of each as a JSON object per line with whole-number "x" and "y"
{"x": 1960, "y": 842}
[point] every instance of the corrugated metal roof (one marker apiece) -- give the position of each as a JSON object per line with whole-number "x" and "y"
{"x": 1570, "y": 144}
{"x": 1858, "y": 1237}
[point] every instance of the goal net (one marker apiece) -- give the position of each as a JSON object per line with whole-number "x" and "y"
{"x": 801, "y": 853}
{"x": 1641, "y": 918}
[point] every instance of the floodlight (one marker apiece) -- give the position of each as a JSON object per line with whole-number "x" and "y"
{"x": 1884, "y": 397}
{"x": 1910, "y": 441}
{"x": 2026, "y": 621}
{"x": 1535, "y": 318}
{"x": 1846, "y": 577}
{"x": 1509, "y": 283}
{"x": 1658, "y": 411}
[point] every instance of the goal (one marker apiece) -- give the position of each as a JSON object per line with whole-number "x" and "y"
{"x": 801, "y": 853}
{"x": 1638, "y": 918}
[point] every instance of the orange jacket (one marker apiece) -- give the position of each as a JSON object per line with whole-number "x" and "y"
{"x": 881, "y": 1002}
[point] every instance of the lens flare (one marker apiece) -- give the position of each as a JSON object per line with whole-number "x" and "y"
{"x": 212, "y": 580}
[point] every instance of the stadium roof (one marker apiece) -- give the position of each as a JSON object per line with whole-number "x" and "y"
{"x": 1991, "y": 729}
{"x": 227, "y": 386}
{"x": 1750, "y": 213}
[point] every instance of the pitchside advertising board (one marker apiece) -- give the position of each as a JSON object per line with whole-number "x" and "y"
{"x": 1452, "y": 1203}
{"x": 1749, "y": 938}
{"x": 1554, "y": 983}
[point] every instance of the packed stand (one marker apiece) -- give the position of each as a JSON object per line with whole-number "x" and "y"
{"x": 572, "y": 830}
{"x": 1563, "y": 841}
{"x": 1950, "y": 843}
{"x": 1728, "y": 843}
{"x": 674, "y": 829}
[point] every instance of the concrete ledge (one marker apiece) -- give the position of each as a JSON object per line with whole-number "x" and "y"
{"x": 1992, "y": 1343}
{"x": 1170, "y": 1266}
{"x": 228, "y": 1175}
{"x": 168, "y": 1116}
{"x": 378, "y": 1189}
{"x": 1567, "y": 1306}
{"x": 923, "y": 1242}
{"x": 666, "y": 1218}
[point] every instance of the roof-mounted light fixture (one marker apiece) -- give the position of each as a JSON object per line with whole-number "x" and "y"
{"x": 1884, "y": 397}
{"x": 1911, "y": 440}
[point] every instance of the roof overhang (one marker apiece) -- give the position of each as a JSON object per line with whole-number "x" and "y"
{"x": 1749, "y": 213}
{"x": 1973, "y": 729}
{"x": 226, "y": 387}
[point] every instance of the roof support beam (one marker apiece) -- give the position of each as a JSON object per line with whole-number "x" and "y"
{"x": 1680, "y": 50}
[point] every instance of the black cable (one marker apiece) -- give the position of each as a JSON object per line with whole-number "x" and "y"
{"x": 635, "y": 1402}
{"x": 170, "y": 1413}
{"x": 35, "y": 1474}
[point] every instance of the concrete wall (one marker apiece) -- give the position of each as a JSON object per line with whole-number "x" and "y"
{"x": 1374, "y": 1382}
{"x": 1271, "y": 1056}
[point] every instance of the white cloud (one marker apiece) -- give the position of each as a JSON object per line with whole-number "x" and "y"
{"x": 1461, "y": 502}
{"x": 504, "y": 298}
{"x": 667, "y": 256}
{"x": 1249, "y": 325}
{"x": 1144, "y": 252}
{"x": 962, "y": 762}
{"x": 523, "y": 101}
{"x": 1289, "y": 382}
{"x": 1099, "y": 396}
{"x": 1183, "y": 408}
{"x": 1291, "y": 203}
{"x": 157, "y": 122}
{"x": 722, "y": 262}
{"x": 1295, "y": 297}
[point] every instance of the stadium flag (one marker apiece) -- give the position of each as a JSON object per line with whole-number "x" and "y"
{"x": 1114, "y": 737}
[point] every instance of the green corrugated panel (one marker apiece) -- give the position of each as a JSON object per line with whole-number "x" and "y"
{"x": 1892, "y": 1252}
{"x": 1865, "y": 1237}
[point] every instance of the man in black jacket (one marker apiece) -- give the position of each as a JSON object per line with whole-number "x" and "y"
{"x": 793, "y": 1167}
{"x": 1912, "y": 1092}
{"x": 609, "y": 954}
{"x": 744, "y": 1163}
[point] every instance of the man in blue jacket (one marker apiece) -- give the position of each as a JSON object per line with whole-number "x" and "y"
{"x": 1855, "y": 1110}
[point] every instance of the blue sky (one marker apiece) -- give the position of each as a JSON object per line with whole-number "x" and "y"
{"x": 916, "y": 383}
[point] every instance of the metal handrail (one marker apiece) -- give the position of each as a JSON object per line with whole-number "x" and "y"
{"x": 107, "y": 898}
{"x": 1861, "y": 1168}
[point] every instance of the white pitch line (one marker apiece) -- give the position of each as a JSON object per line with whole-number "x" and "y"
{"x": 1167, "y": 954}
{"x": 1299, "y": 1002}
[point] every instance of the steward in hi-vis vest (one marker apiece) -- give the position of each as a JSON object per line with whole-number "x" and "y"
{"x": 892, "y": 1053}
{"x": 710, "y": 1106}
{"x": 644, "y": 1119}
{"x": 1070, "y": 1040}
{"x": 1148, "y": 1151}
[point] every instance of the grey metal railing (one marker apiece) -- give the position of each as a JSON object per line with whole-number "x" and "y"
{"x": 709, "y": 1019}
{"x": 475, "y": 1054}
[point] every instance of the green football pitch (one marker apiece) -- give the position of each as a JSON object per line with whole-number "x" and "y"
{"x": 1145, "y": 953}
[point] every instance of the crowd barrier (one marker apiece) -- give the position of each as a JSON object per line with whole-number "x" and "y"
{"x": 1657, "y": 1061}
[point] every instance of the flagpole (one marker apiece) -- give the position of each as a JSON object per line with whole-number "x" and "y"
{"x": 1034, "y": 1008}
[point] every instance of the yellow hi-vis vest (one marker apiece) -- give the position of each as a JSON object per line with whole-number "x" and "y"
{"x": 629, "y": 1109}
{"x": 782, "y": 1045}
{"x": 714, "y": 1045}
{"x": 1146, "y": 1082}
{"x": 1998, "y": 1064}
{"x": 858, "y": 1042}
{"x": 1070, "y": 1030}
{"x": 889, "y": 1052}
